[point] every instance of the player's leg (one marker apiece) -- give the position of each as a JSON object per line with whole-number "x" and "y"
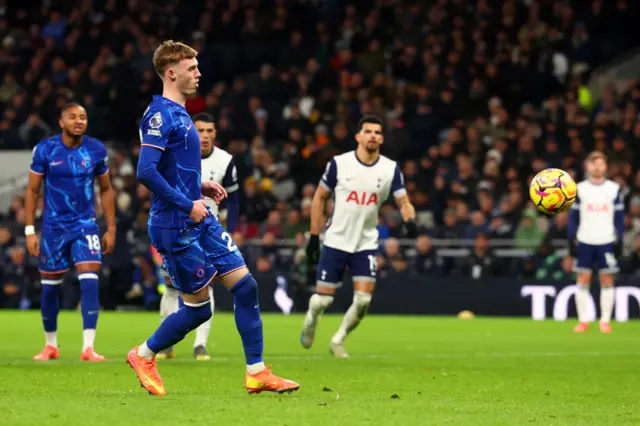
{"x": 168, "y": 305}
{"x": 190, "y": 274}
{"x": 87, "y": 256}
{"x": 53, "y": 262}
{"x": 236, "y": 278}
{"x": 583, "y": 266}
{"x": 328, "y": 279}
{"x": 363, "y": 266}
{"x": 202, "y": 334}
{"x": 608, "y": 267}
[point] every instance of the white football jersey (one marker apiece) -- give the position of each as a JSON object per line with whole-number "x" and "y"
{"x": 359, "y": 191}
{"x": 219, "y": 167}
{"x": 597, "y": 205}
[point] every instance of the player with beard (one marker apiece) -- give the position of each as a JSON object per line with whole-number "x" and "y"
{"x": 361, "y": 181}
{"x": 68, "y": 164}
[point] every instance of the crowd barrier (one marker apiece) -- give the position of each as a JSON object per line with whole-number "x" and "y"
{"x": 414, "y": 295}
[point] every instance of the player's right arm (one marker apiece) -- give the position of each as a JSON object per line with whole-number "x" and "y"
{"x": 318, "y": 208}
{"x": 572, "y": 229}
{"x": 36, "y": 175}
{"x": 155, "y": 130}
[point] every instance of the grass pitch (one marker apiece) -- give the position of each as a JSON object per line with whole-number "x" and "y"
{"x": 402, "y": 371}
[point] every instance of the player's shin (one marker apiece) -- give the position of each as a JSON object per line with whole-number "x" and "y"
{"x": 248, "y": 321}
{"x": 318, "y": 303}
{"x": 168, "y": 303}
{"x": 49, "y": 308}
{"x": 90, "y": 306}
{"x": 175, "y": 327}
{"x": 607, "y": 297}
{"x": 582, "y": 302}
{"x": 354, "y": 315}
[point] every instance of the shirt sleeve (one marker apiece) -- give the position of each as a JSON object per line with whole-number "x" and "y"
{"x": 619, "y": 216}
{"x": 574, "y": 219}
{"x": 230, "y": 180}
{"x": 329, "y": 179}
{"x": 397, "y": 185}
{"x": 150, "y": 177}
{"x": 102, "y": 164}
{"x": 39, "y": 159}
{"x": 155, "y": 129}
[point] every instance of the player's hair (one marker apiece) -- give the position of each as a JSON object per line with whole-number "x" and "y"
{"x": 171, "y": 53}
{"x": 596, "y": 155}
{"x": 203, "y": 116}
{"x": 371, "y": 119}
{"x": 69, "y": 106}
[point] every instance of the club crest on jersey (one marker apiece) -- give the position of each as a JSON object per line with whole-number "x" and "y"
{"x": 86, "y": 164}
{"x": 199, "y": 272}
{"x": 363, "y": 199}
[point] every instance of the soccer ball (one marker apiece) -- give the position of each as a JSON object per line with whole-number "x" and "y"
{"x": 553, "y": 191}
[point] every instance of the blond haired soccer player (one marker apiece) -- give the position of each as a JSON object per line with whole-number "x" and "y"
{"x": 217, "y": 166}
{"x": 194, "y": 246}
{"x": 595, "y": 232}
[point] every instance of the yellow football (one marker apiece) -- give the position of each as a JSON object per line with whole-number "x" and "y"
{"x": 553, "y": 191}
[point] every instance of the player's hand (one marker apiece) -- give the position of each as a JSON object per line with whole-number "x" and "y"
{"x": 313, "y": 250}
{"x": 199, "y": 211}
{"x": 573, "y": 248}
{"x": 214, "y": 190}
{"x": 33, "y": 245}
{"x": 108, "y": 242}
{"x": 617, "y": 249}
{"x": 411, "y": 229}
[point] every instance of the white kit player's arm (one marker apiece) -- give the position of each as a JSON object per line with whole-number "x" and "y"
{"x": 318, "y": 208}
{"x": 326, "y": 187}
{"x": 407, "y": 210}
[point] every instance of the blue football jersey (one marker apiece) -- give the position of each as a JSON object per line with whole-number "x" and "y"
{"x": 69, "y": 175}
{"x": 167, "y": 126}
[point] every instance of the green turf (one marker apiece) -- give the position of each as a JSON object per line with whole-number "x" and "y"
{"x": 403, "y": 371}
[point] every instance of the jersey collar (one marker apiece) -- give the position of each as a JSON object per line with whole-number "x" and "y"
{"x": 355, "y": 153}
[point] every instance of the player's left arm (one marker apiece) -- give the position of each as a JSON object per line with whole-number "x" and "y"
{"x": 107, "y": 199}
{"x": 232, "y": 202}
{"x": 407, "y": 210}
{"x": 618, "y": 208}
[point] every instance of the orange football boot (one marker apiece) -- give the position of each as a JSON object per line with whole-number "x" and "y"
{"x": 48, "y": 353}
{"x": 605, "y": 327}
{"x": 266, "y": 381}
{"x": 147, "y": 373}
{"x": 581, "y": 327}
{"x": 90, "y": 355}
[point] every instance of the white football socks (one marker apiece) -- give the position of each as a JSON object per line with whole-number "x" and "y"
{"x": 582, "y": 302}
{"x": 318, "y": 303}
{"x": 168, "y": 303}
{"x": 145, "y": 352}
{"x": 352, "y": 318}
{"x": 607, "y": 298}
{"x": 51, "y": 338}
{"x": 88, "y": 338}
{"x": 255, "y": 368}
{"x": 203, "y": 330}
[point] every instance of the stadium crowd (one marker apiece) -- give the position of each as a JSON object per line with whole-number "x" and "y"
{"x": 476, "y": 96}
